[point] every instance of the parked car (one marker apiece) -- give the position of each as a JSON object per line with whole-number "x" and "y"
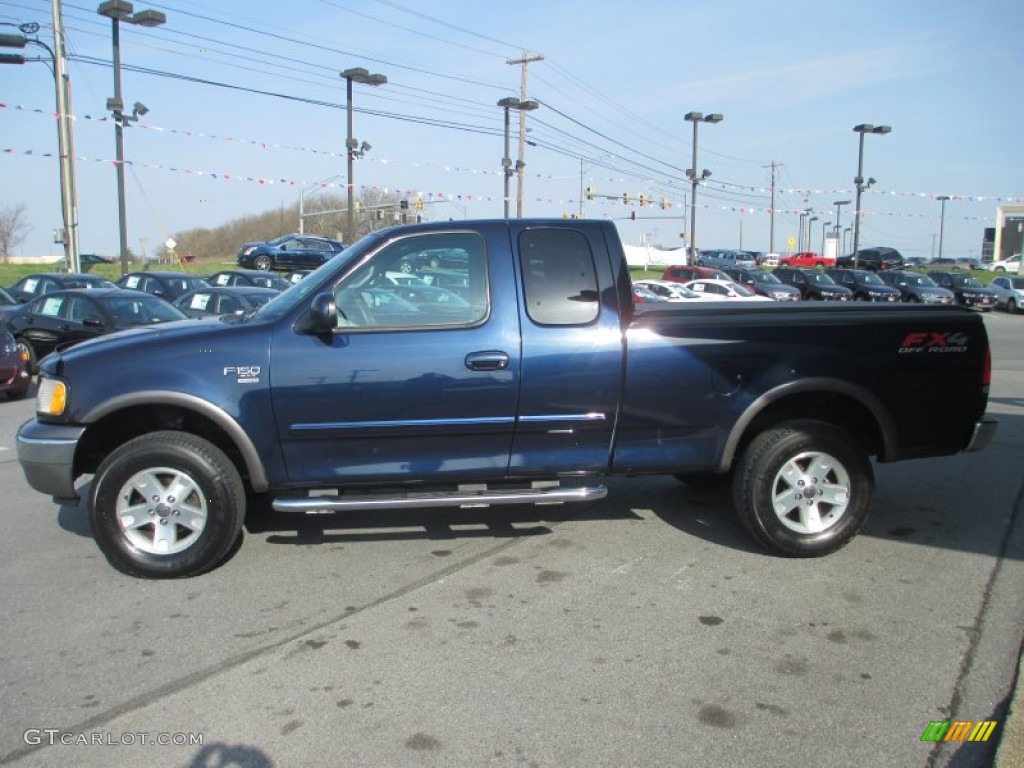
{"x": 1010, "y": 264}
{"x": 166, "y": 285}
{"x": 15, "y": 375}
{"x": 723, "y": 290}
{"x": 70, "y": 316}
{"x": 6, "y": 300}
{"x": 714, "y": 257}
{"x": 806, "y": 259}
{"x": 670, "y": 291}
{"x": 948, "y": 263}
{"x": 864, "y": 285}
{"x": 917, "y": 288}
{"x": 968, "y": 289}
{"x": 212, "y": 300}
{"x": 684, "y": 273}
{"x": 875, "y": 259}
{"x": 436, "y": 258}
{"x": 813, "y": 284}
{"x": 295, "y": 251}
{"x": 643, "y": 295}
{"x": 297, "y": 275}
{"x": 89, "y": 260}
{"x": 30, "y": 286}
{"x": 763, "y": 283}
{"x": 248, "y": 277}
{"x": 1009, "y": 293}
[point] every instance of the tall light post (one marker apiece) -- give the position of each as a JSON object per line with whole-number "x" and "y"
{"x": 691, "y": 173}
{"x": 824, "y": 226}
{"x": 862, "y": 129}
{"x": 68, "y": 234}
{"x": 118, "y": 11}
{"x": 942, "y": 220}
{"x": 352, "y": 147}
{"x": 810, "y": 221}
{"x": 839, "y": 207}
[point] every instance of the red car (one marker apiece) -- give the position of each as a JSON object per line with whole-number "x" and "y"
{"x": 806, "y": 259}
{"x": 14, "y": 375}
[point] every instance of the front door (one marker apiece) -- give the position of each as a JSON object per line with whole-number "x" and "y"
{"x": 407, "y": 387}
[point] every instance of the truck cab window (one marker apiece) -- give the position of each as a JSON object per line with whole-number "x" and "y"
{"x": 559, "y": 279}
{"x": 396, "y": 288}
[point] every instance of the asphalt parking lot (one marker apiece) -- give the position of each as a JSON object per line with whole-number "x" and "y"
{"x": 642, "y": 630}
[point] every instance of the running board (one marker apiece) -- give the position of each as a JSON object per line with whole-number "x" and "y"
{"x": 468, "y": 496}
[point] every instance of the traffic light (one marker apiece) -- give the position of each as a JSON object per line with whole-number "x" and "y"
{"x": 380, "y": 215}
{"x": 643, "y": 200}
{"x": 664, "y": 203}
{"x": 590, "y": 193}
{"x": 404, "y": 205}
{"x": 12, "y": 41}
{"x": 418, "y": 205}
{"x": 625, "y": 198}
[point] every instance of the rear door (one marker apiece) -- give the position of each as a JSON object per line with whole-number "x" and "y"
{"x": 572, "y": 351}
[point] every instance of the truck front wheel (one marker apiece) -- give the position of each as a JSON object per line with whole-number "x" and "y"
{"x": 803, "y": 488}
{"x": 166, "y": 505}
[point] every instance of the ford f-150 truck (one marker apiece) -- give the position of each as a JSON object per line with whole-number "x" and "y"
{"x": 526, "y": 382}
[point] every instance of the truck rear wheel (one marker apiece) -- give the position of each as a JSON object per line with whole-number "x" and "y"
{"x": 166, "y": 505}
{"x": 803, "y": 488}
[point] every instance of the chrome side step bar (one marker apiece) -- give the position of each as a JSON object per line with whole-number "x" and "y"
{"x": 465, "y": 496}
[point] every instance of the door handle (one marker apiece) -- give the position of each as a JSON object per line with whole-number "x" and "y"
{"x": 492, "y": 360}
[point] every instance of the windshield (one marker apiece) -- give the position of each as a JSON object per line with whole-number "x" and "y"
{"x": 920, "y": 280}
{"x": 967, "y": 281}
{"x": 819, "y": 278}
{"x": 870, "y": 278}
{"x": 137, "y": 310}
{"x": 765, "y": 278}
{"x": 741, "y": 291}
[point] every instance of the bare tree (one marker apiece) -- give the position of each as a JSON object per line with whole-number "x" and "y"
{"x": 14, "y": 228}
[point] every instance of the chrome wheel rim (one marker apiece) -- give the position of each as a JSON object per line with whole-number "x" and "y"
{"x": 161, "y": 510}
{"x": 811, "y": 492}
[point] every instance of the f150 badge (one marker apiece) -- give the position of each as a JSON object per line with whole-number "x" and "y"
{"x": 927, "y": 342}
{"x": 245, "y": 374}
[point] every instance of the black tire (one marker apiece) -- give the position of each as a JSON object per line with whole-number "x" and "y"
{"x": 28, "y": 354}
{"x": 1011, "y": 306}
{"x": 263, "y": 262}
{"x": 845, "y": 478}
{"x": 214, "y": 505}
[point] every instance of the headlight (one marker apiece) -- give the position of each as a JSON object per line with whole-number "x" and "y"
{"x": 52, "y": 396}
{"x": 10, "y": 345}
{"x": 247, "y": 251}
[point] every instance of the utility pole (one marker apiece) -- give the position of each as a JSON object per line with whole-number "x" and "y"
{"x": 521, "y": 163}
{"x": 771, "y": 226}
{"x": 66, "y": 144}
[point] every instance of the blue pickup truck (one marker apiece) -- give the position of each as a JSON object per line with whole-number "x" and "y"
{"x": 527, "y": 381}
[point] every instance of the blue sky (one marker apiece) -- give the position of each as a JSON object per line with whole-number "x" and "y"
{"x": 791, "y": 79}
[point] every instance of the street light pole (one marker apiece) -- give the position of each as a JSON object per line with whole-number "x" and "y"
{"x": 862, "y": 129}
{"x": 506, "y": 162}
{"x": 810, "y": 220}
{"x": 117, "y": 11}
{"x": 942, "y": 220}
{"x": 357, "y": 75}
{"x": 824, "y": 226}
{"x": 839, "y": 204}
{"x": 695, "y": 118}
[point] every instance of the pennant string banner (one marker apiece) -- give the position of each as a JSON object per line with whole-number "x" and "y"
{"x": 601, "y": 199}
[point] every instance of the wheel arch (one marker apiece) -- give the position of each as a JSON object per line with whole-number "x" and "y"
{"x": 832, "y": 401}
{"x": 128, "y": 416}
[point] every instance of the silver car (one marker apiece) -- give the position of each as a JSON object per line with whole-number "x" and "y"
{"x": 1009, "y": 293}
{"x": 724, "y": 259}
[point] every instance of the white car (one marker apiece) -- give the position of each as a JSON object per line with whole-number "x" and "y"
{"x": 1010, "y": 264}
{"x": 1009, "y": 293}
{"x": 724, "y": 290}
{"x": 670, "y": 291}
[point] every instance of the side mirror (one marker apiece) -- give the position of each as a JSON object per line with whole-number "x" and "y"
{"x": 323, "y": 313}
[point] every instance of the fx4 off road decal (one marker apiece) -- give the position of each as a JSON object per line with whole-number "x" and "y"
{"x": 931, "y": 342}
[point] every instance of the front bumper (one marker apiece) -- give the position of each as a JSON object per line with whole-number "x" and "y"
{"x": 47, "y": 456}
